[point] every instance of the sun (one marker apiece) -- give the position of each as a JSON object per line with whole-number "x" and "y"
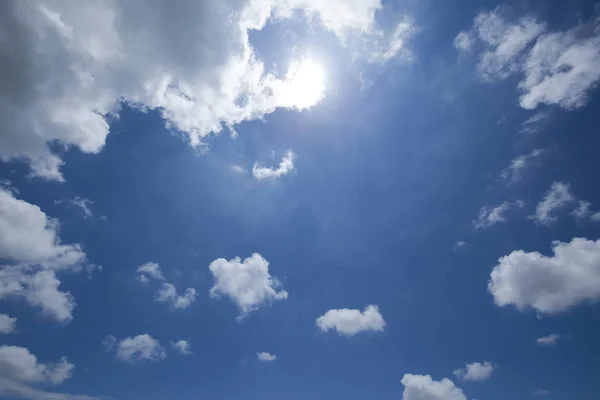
{"x": 305, "y": 83}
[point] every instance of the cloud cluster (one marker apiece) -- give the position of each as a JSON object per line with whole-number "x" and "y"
{"x": 167, "y": 292}
{"x": 247, "y": 283}
{"x": 140, "y": 348}
{"x": 350, "y": 322}
{"x": 8, "y": 324}
{"x": 475, "y": 371}
{"x": 548, "y": 284}
{"x": 285, "y": 167}
{"x": 18, "y": 364}
{"x": 423, "y": 387}
{"x": 70, "y": 66}
{"x": 555, "y": 68}
{"x": 30, "y": 243}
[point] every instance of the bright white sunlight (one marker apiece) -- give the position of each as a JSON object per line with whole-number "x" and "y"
{"x": 305, "y": 84}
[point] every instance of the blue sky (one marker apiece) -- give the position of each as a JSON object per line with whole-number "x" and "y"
{"x": 300, "y": 200}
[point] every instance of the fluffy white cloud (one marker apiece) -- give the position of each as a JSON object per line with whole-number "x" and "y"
{"x": 489, "y": 216}
{"x": 109, "y": 342}
{"x": 151, "y": 270}
{"x": 549, "y": 340}
{"x": 70, "y": 65}
{"x": 556, "y": 198}
{"x": 8, "y": 324}
{"x": 247, "y": 283}
{"x": 13, "y": 389}
{"x": 264, "y": 356}
{"x": 518, "y": 166}
{"x": 548, "y": 284}
{"x": 182, "y": 346}
{"x": 285, "y": 167}
{"x": 168, "y": 294}
{"x": 17, "y": 363}
{"x": 29, "y": 237}
{"x": 350, "y": 322}
{"x": 422, "y": 387}
{"x": 475, "y": 371}
{"x": 140, "y": 348}
{"x": 558, "y": 68}
{"x": 463, "y": 41}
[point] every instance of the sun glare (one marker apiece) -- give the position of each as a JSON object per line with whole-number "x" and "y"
{"x": 306, "y": 84}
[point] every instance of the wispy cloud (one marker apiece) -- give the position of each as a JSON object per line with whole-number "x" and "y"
{"x": 285, "y": 167}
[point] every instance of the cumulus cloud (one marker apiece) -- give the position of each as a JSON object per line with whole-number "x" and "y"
{"x": 247, "y": 283}
{"x": 556, "y": 68}
{"x": 168, "y": 294}
{"x": 463, "y": 41}
{"x": 18, "y": 364}
{"x": 549, "y": 340}
{"x": 69, "y": 67}
{"x": 350, "y": 321}
{"x": 8, "y": 324}
{"x": 489, "y": 216}
{"x": 556, "y": 198}
{"x": 423, "y": 387}
{"x": 285, "y": 167}
{"x": 140, "y": 348}
{"x": 519, "y": 166}
{"x": 264, "y": 356}
{"x": 150, "y": 269}
{"x": 548, "y": 284}
{"x": 475, "y": 371}
{"x": 182, "y": 347}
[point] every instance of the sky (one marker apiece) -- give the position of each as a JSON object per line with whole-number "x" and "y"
{"x": 299, "y": 199}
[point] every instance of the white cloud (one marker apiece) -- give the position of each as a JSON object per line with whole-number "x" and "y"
{"x": 238, "y": 169}
{"x": 475, "y": 371}
{"x": 460, "y": 244}
{"x": 264, "y": 356}
{"x": 595, "y": 217}
{"x": 247, "y": 283}
{"x": 548, "y": 284}
{"x": 463, "y": 41}
{"x": 18, "y": 364}
{"x": 17, "y": 390}
{"x": 29, "y": 237}
{"x": 182, "y": 346}
{"x": 422, "y": 387}
{"x": 534, "y": 123}
{"x": 168, "y": 294}
{"x": 81, "y": 203}
{"x": 491, "y": 216}
{"x": 350, "y": 322}
{"x": 285, "y": 167}
{"x": 140, "y": 348}
{"x": 582, "y": 211}
{"x": 541, "y": 392}
{"x": 71, "y": 66}
{"x": 151, "y": 270}
{"x": 518, "y": 166}
{"x": 8, "y": 324}
{"x": 109, "y": 342}
{"x": 549, "y": 340}
{"x": 558, "y": 68}
{"x": 556, "y": 198}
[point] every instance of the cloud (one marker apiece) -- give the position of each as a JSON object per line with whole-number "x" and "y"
{"x": 151, "y": 270}
{"x": 350, "y": 322}
{"x": 549, "y": 340}
{"x": 422, "y": 387}
{"x": 459, "y": 245}
{"x": 16, "y": 390}
{"x": 109, "y": 342}
{"x": 519, "y": 166}
{"x": 475, "y": 371}
{"x": 248, "y": 284}
{"x": 534, "y": 123}
{"x": 285, "y": 167}
{"x": 182, "y": 346}
{"x": 491, "y": 216}
{"x": 541, "y": 392}
{"x": 28, "y": 237}
{"x": 168, "y": 294}
{"x": 7, "y": 324}
{"x": 556, "y": 68}
{"x": 238, "y": 169}
{"x": 140, "y": 348}
{"x": 556, "y": 198}
{"x": 264, "y": 356}
{"x": 17, "y": 363}
{"x": 81, "y": 203}
{"x": 595, "y": 217}
{"x": 70, "y": 67}
{"x": 463, "y": 42}
{"x": 548, "y": 284}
